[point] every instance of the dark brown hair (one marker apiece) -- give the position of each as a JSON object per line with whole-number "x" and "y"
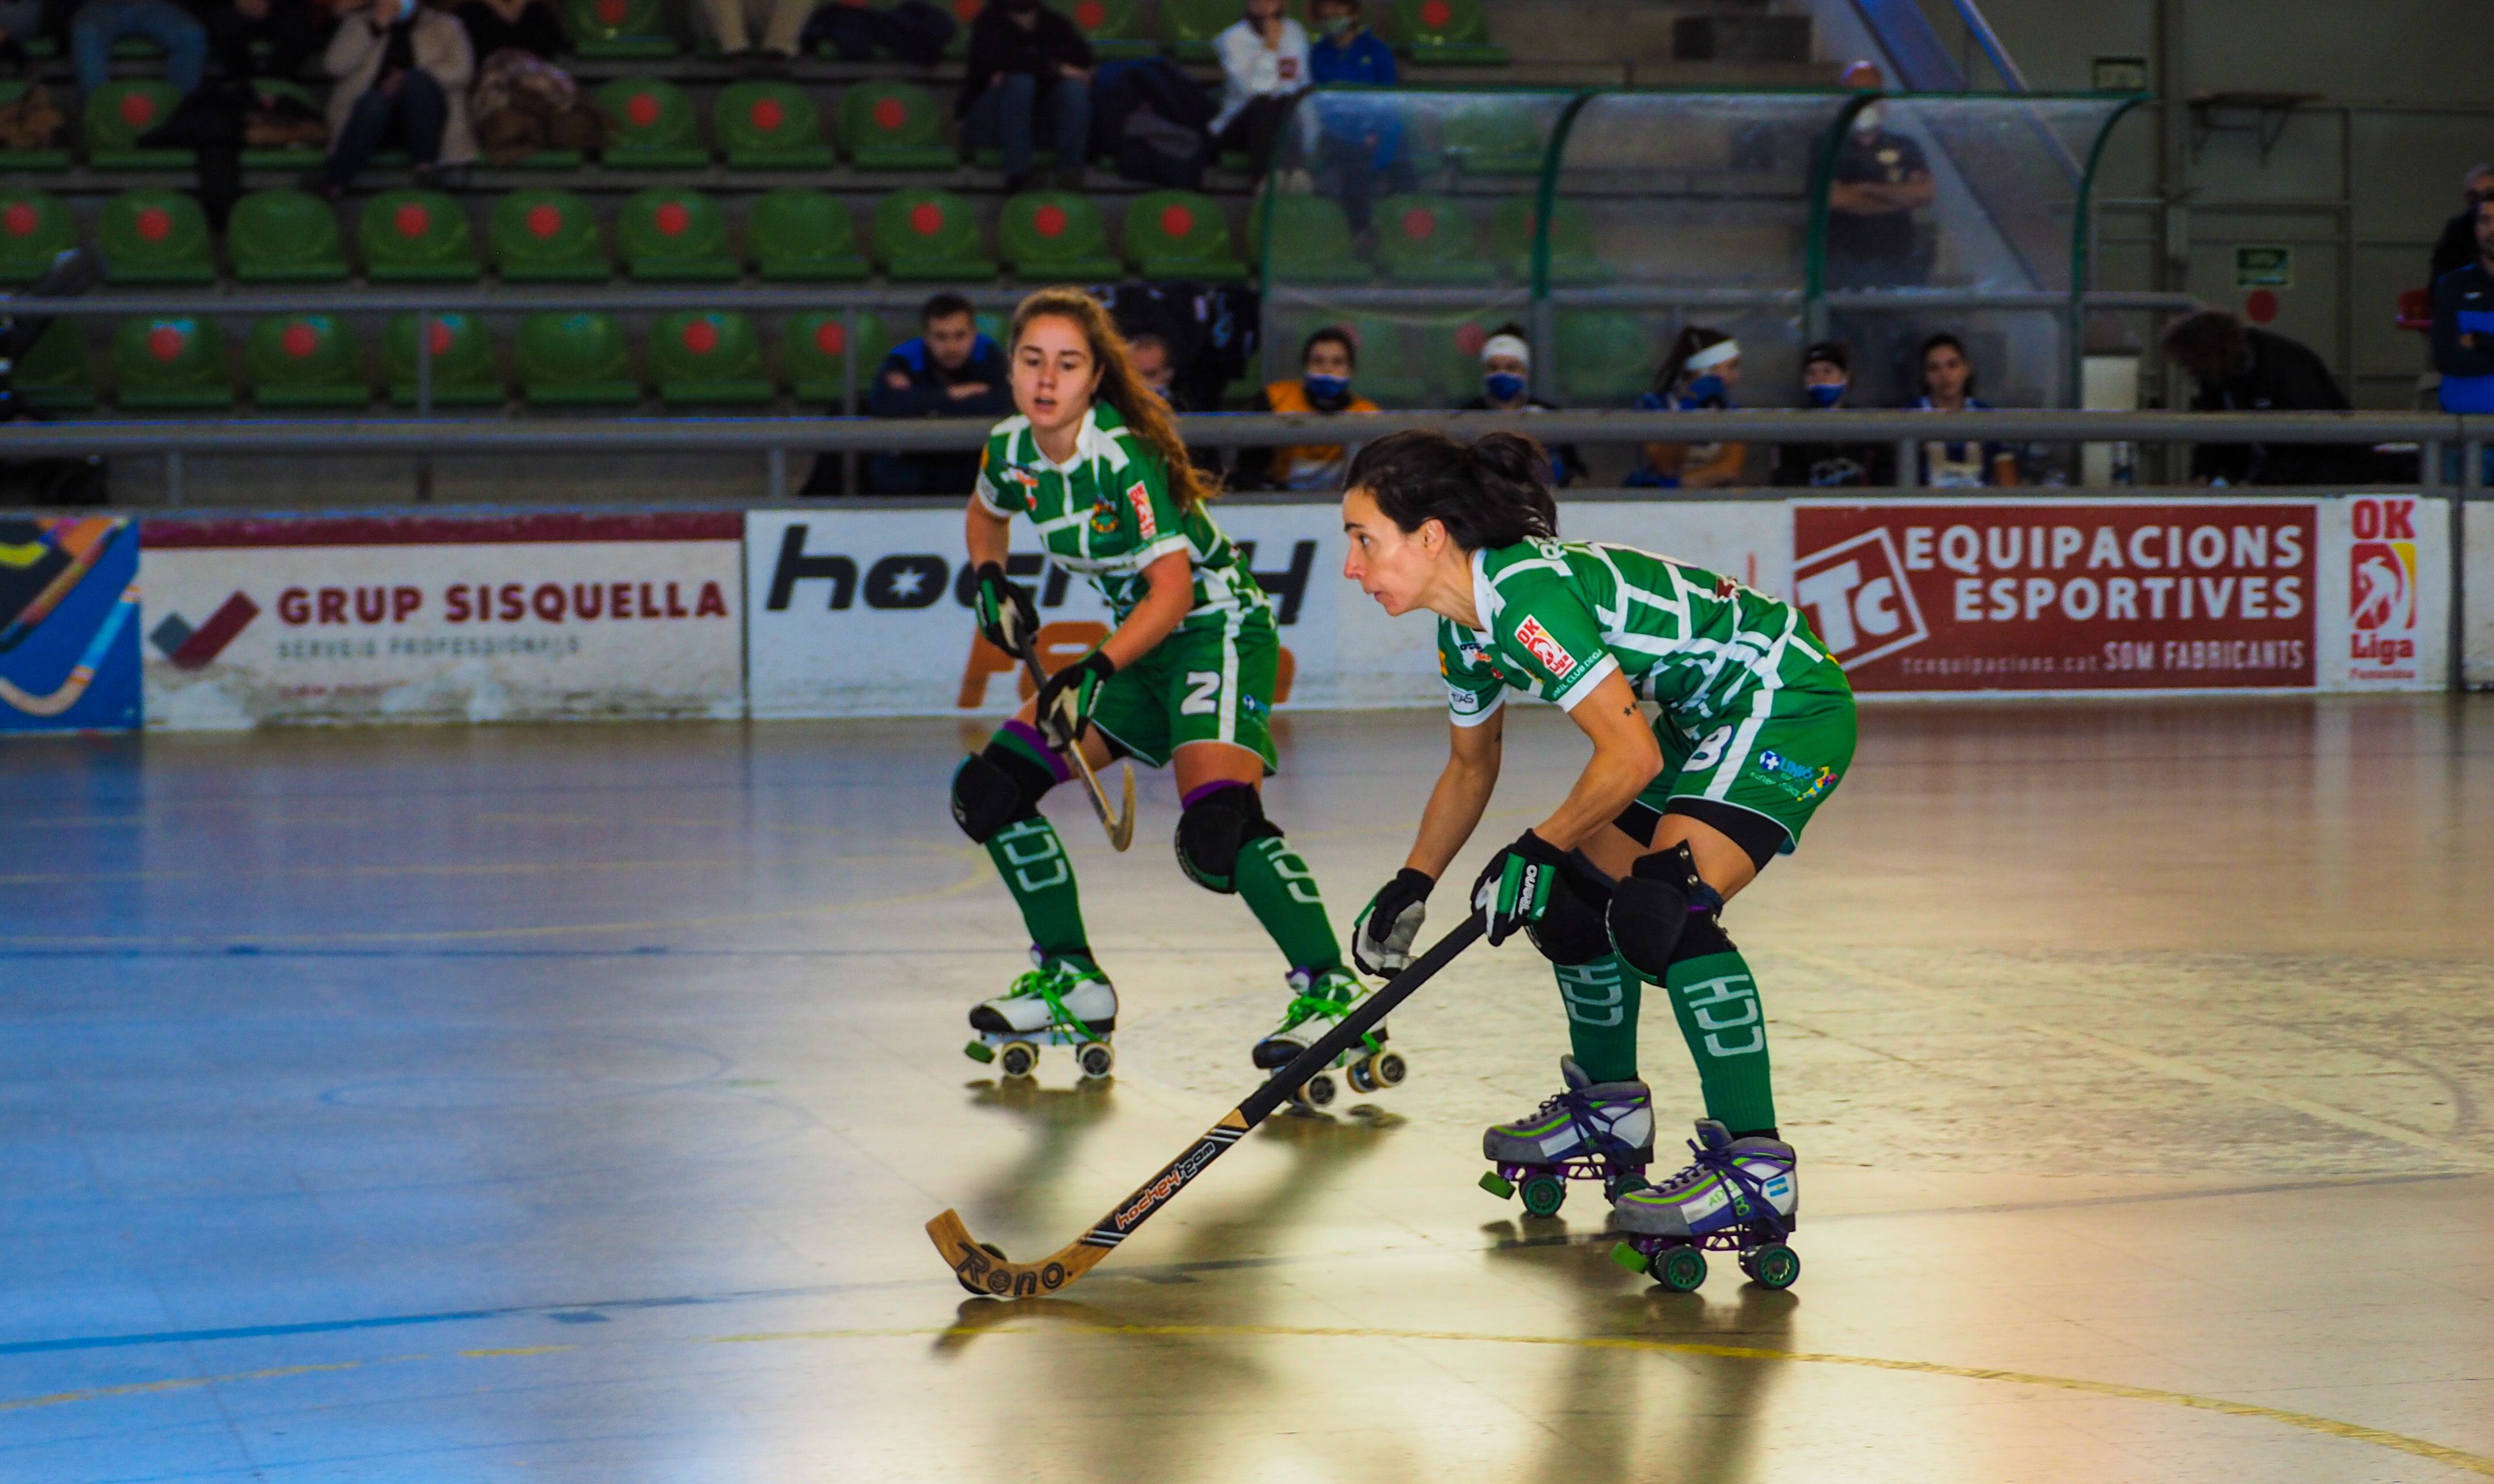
{"x": 1494, "y": 491}
{"x": 1145, "y": 415}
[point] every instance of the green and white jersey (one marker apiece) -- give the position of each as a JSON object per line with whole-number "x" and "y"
{"x": 1108, "y": 514}
{"x": 1559, "y": 616}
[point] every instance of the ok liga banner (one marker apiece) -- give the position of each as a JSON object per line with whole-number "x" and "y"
{"x": 2054, "y": 594}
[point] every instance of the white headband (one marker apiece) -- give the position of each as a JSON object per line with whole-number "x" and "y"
{"x": 1507, "y": 344}
{"x": 1712, "y": 355}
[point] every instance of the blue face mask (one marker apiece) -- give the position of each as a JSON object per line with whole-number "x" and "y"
{"x": 1704, "y": 392}
{"x": 1324, "y": 388}
{"x": 1825, "y": 394}
{"x": 1503, "y": 386}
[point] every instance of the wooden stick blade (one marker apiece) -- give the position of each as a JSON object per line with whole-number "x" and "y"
{"x": 983, "y": 1270}
{"x": 1121, "y": 832}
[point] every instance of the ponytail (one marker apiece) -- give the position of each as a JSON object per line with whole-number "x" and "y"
{"x": 1493, "y": 492}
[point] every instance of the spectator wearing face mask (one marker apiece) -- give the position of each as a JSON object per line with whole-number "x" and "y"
{"x": 1697, "y": 376}
{"x": 403, "y": 70}
{"x": 1326, "y": 364}
{"x": 1826, "y": 376}
{"x": 1881, "y": 179}
{"x": 1507, "y": 386}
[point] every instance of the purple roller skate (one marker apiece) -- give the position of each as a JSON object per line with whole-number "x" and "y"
{"x": 1743, "y": 1195}
{"x": 1594, "y": 1131}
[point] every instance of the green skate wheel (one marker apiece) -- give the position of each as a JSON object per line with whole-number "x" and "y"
{"x": 1772, "y": 1266}
{"x": 1018, "y": 1058}
{"x": 1681, "y": 1269}
{"x": 1497, "y": 1185}
{"x": 1097, "y": 1059}
{"x": 1361, "y": 1076}
{"x": 1390, "y": 1069}
{"x": 1628, "y": 1257}
{"x": 1544, "y": 1195}
{"x": 978, "y": 1051}
{"x": 1623, "y": 1185}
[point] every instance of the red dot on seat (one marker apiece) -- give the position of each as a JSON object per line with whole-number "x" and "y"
{"x": 890, "y": 113}
{"x": 301, "y": 340}
{"x": 440, "y": 338}
{"x": 544, "y": 221}
{"x": 672, "y": 219}
{"x": 412, "y": 220}
{"x": 1437, "y": 14}
{"x": 138, "y": 109}
{"x": 166, "y": 341}
{"x": 767, "y": 115}
{"x": 1049, "y": 221}
{"x": 1091, "y": 14}
{"x": 19, "y": 220}
{"x": 830, "y": 337}
{"x": 926, "y": 219}
{"x": 1470, "y": 337}
{"x": 154, "y": 223}
{"x": 701, "y": 337}
{"x": 2259, "y": 306}
{"x": 1419, "y": 224}
{"x": 642, "y": 110}
{"x": 1177, "y": 221}
{"x": 613, "y": 12}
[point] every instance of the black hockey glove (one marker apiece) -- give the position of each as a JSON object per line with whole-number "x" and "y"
{"x": 1513, "y": 889}
{"x": 1066, "y": 698}
{"x": 1382, "y": 934}
{"x": 1005, "y": 613}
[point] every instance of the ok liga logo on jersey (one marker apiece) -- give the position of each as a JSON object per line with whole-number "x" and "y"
{"x": 1141, "y": 498}
{"x": 1537, "y": 643}
{"x": 2382, "y": 587}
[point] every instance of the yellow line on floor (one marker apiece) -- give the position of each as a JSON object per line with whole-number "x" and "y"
{"x": 2174, "y": 1067}
{"x": 188, "y": 1383}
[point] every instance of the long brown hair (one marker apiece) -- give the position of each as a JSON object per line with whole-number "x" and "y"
{"x": 1145, "y": 415}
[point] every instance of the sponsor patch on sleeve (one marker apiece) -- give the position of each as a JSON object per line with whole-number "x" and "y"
{"x": 1538, "y": 644}
{"x": 1141, "y": 498}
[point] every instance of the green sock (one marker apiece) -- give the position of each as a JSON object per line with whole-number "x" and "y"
{"x": 1033, "y": 862}
{"x": 1278, "y": 887}
{"x": 1601, "y": 999}
{"x": 1716, "y": 1002}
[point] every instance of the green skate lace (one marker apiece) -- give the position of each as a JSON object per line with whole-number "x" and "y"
{"x": 1043, "y": 983}
{"x": 1307, "y": 1007}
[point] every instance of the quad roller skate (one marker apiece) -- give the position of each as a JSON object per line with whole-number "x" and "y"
{"x": 1318, "y": 1003}
{"x": 1061, "y": 1002}
{"x": 1743, "y": 1195}
{"x": 1594, "y": 1131}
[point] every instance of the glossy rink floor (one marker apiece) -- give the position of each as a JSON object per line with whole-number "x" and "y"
{"x": 565, "y": 1103}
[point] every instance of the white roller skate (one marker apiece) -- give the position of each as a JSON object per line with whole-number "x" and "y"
{"x": 1318, "y": 1003}
{"x": 1059, "y": 1003}
{"x": 1743, "y": 1195}
{"x": 1590, "y": 1130}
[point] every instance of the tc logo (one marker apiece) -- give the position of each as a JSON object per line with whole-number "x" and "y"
{"x": 1858, "y": 600}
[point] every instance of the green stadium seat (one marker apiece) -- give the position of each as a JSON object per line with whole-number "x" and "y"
{"x": 1385, "y": 374}
{"x": 708, "y": 358}
{"x": 156, "y": 237}
{"x": 171, "y": 363}
{"x": 770, "y": 125}
{"x": 813, "y": 354}
{"x": 463, "y": 361}
{"x": 794, "y": 235}
{"x": 1605, "y": 360}
{"x": 1115, "y": 28}
{"x": 1446, "y": 33}
{"x": 31, "y": 159}
{"x": 35, "y": 227}
{"x": 1187, "y": 27}
{"x": 1056, "y": 236}
{"x": 117, "y": 113}
{"x": 1573, "y": 259}
{"x": 1180, "y": 234}
{"x": 304, "y": 361}
{"x": 1427, "y": 239}
{"x": 606, "y": 29}
{"x": 923, "y": 237}
{"x": 295, "y": 157}
{"x": 54, "y": 375}
{"x": 417, "y": 238}
{"x": 1311, "y": 242}
{"x": 675, "y": 235}
{"x": 1486, "y": 138}
{"x": 894, "y": 126}
{"x": 543, "y": 235}
{"x": 285, "y": 237}
{"x": 575, "y": 358}
{"x": 654, "y": 128}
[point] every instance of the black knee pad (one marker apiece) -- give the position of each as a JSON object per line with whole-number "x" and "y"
{"x": 1704, "y": 934}
{"x": 1214, "y": 829}
{"x": 1570, "y": 929}
{"x": 996, "y": 788}
{"x": 1650, "y": 909}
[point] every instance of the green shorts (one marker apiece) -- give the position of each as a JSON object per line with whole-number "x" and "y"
{"x": 1202, "y": 684}
{"x": 1780, "y": 760}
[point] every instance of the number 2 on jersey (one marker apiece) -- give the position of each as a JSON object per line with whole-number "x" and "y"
{"x": 1203, "y": 700}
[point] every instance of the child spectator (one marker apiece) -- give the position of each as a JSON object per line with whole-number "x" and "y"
{"x": 1826, "y": 376}
{"x": 1264, "y": 66}
{"x": 1028, "y": 65}
{"x": 97, "y": 25}
{"x": 1326, "y": 364}
{"x": 403, "y": 71}
{"x": 1948, "y": 387}
{"x": 1697, "y": 376}
{"x": 949, "y": 371}
{"x": 1507, "y": 386}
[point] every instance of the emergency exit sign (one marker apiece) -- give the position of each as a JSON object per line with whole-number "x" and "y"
{"x": 2264, "y": 267}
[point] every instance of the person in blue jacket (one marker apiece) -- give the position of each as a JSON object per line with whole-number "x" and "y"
{"x": 1359, "y": 152}
{"x": 2463, "y": 324}
{"x": 949, "y": 371}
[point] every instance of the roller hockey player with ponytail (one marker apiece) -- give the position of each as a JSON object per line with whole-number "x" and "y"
{"x": 1186, "y": 676}
{"x": 1624, "y": 885}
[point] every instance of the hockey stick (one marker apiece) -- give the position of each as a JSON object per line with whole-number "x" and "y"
{"x": 987, "y": 1271}
{"x": 1121, "y": 825}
